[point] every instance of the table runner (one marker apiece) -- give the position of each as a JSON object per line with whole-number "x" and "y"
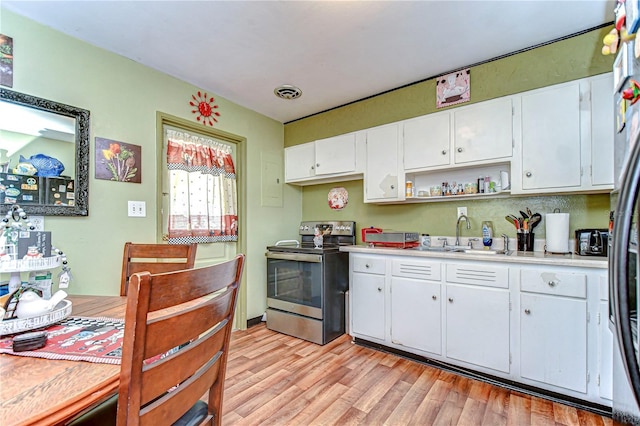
{"x": 78, "y": 339}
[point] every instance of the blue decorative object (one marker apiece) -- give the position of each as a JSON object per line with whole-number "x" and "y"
{"x": 47, "y": 166}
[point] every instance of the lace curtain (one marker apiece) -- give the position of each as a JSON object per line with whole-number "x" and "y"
{"x": 202, "y": 190}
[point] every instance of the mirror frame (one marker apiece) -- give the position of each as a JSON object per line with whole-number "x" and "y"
{"x": 81, "y": 207}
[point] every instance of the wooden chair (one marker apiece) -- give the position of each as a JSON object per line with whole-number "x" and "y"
{"x": 155, "y": 258}
{"x": 172, "y": 357}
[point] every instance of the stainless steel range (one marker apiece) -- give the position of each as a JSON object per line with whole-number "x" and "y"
{"x": 306, "y": 285}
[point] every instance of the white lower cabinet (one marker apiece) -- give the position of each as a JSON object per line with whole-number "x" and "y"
{"x": 553, "y": 328}
{"x": 553, "y": 340}
{"x": 477, "y": 314}
{"x": 367, "y": 296}
{"x": 477, "y": 326}
{"x": 416, "y": 312}
{"x": 523, "y": 323}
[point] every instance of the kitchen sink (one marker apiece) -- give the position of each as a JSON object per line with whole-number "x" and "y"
{"x": 439, "y": 248}
{"x": 482, "y": 251}
{"x": 462, "y": 249}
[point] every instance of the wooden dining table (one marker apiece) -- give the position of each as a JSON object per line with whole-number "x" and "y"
{"x": 37, "y": 391}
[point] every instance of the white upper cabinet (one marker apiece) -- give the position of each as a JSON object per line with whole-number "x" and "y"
{"x": 336, "y": 154}
{"x": 551, "y": 138}
{"x": 564, "y": 138}
{"x": 602, "y": 131}
{"x": 383, "y": 180}
{"x": 483, "y": 131}
{"x": 299, "y": 162}
{"x": 427, "y": 141}
{"x": 325, "y": 160}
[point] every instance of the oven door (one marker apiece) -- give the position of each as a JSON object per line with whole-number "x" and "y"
{"x": 294, "y": 283}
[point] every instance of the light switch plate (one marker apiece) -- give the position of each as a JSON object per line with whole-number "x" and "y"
{"x": 37, "y": 222}
{"x": 137, "y": 209}
{"x": 462, "y": 211}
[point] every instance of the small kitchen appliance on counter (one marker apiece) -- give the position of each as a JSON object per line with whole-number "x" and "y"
{"x": 307, "y": 282}
{"x": 592, "y": 242}
{"x": 380, "y": 238}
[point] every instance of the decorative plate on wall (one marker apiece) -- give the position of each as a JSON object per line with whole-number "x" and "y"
{"x": 338, "y": 198}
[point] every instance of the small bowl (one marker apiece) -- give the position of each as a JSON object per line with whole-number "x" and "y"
{"x": 436, "y": 191}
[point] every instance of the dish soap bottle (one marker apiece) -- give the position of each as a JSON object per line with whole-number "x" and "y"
{"x": 487, "y": 233}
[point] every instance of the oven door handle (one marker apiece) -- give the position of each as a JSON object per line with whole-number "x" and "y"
{"x": 301, "y": 257}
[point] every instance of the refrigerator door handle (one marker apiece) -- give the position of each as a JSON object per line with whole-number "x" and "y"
{"x": 619, "y": 276}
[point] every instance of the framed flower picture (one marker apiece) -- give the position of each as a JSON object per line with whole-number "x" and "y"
{"x": 118, "y": 161}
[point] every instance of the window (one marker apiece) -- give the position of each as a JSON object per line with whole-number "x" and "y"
{"x": 203, "y": 198}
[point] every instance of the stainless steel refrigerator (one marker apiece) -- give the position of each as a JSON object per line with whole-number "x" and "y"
{"x": 623, "y": 250}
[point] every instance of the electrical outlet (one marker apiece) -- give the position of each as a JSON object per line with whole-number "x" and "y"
{"x": 462, "y": 211}
{"x": 37, "y": 222}
{"x": 137, "y": 209}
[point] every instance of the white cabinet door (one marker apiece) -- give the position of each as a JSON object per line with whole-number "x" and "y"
{"x": 553, "y": 340}
{"x": 483, "y": 131}
{"x": 336, "y": 154}
{"x": 366, "y": 295}
{"x": 551, "y": 138}
{"x": 381, "y": 179}
{"x": 605, "y": 352}
{"x": 602, "y": 130}
{"x": 477, "y": 326}
{"x": 299, "y": 162}
{"x": 426, "y": 141}
{"x": 416, "y": 314}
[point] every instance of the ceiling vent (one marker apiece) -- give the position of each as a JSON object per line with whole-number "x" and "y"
{"x": 287, "y": 91}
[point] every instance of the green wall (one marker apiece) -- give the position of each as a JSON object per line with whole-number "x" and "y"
{"x": 123, "y": 97}
{"x": 562, "y": 61}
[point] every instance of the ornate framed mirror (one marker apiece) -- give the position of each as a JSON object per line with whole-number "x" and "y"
{"x": 51, "y": 135}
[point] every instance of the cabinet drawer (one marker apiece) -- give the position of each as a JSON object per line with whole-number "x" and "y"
{"x": 368, "y": 264}
{"x": 556, "y": 283}
{"x": 484, "y": 275}
{"x": 418, "y": 269}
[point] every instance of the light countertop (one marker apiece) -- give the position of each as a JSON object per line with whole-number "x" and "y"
{"x": 536, "y": 257}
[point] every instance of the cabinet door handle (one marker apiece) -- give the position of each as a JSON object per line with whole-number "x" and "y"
{"x": 434, "y": 297}
{"x": 317, "y": 164}
{"x": 313, "y": 167}
{"x": 528, "y": 174}
{"x": 393, "y": 187}
{"x": 444, "y": 152}
{"x": 367, "y": 266}
{"x": 552, "y": 283}
{"x": 460, "y": 150}
{"x": 379, "y": 288}
{"x": 451, "y": 300}
{"x": 527, "y": 311}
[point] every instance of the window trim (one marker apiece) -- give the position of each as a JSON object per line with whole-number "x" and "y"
{"x": 240, "y": 143}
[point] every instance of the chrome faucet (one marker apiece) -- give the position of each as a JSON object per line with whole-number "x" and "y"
{"x": 462, "y": 216}
{"x": 505, "y": 239}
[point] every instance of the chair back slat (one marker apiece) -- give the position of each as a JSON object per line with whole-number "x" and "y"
{"x": 172, "y": 330}
{"x": 177, "y": 367}
{"x": 155, "y": 258}
{"x": 165, "y": 311}
{"x": 168, "y": 290}
{"x": 161, "y": 411}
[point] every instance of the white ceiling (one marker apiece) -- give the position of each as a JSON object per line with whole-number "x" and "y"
{"x": 336, "y": 52}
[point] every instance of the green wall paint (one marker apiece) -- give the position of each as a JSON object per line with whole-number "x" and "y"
{"x": 439, "y": 218}
{"x": 123, "y": 97}
{"x": 562, "y": 61}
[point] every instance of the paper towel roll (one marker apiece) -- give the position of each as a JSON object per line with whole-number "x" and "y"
{"x": 504, "y": 180}
{"x": 557, "y": 229}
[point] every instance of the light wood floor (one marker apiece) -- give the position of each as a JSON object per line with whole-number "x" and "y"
{"x": 274, "y": 379}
